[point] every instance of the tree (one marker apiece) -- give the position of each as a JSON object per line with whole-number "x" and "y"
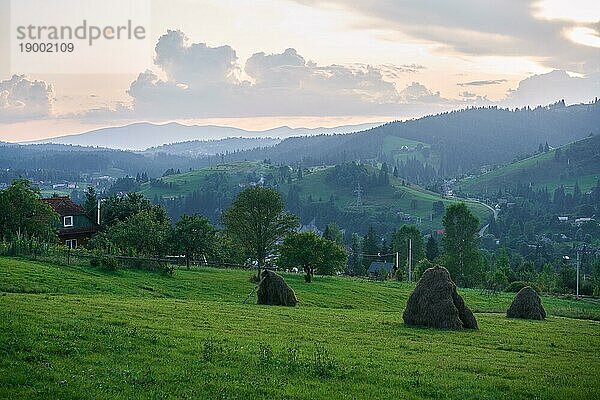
{"x": 526, "y": 271}
{"x": 334, "y": 233}
{"x": 257, "y": 220}
{"x": 313, "y": 254}
{"x": 142, "y": 234}
{"x": 503, "y": 262}
{"x": 370, "y": 248}
{"x": 400, "y": 244}
{"x": 596, "y": 277}
{"x": 431, "y": 249}
{"x": 91, "y": 202}
{"x": 461, "y": 254}
{"x": 438, "y": 208}
{"x": 546, "y": 280}
{"x": 193, "y": 235}
{"x": 118, "y": 209}
{"x": 24, "y": 214}
{"x": 356, "y": 260}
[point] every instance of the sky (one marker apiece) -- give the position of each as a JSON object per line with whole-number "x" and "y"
{"x": 259, "y": 64}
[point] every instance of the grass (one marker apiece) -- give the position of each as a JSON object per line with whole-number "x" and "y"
{"x": 185, "y": 183}
{"x": 75, "y": 332}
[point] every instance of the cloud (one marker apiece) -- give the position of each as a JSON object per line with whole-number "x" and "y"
{"x": 179, "y": 60}
{"x": 553, "y": 86}
{"x": 467, "y": 95}
{"x": 22, "y": 99}
{"x": 482, "y": 28}
{"x": 203, "y": 81}
{"x": 483, "y": 83}
{"x": 199, "y": 81}
{"x": 418, "y": 93}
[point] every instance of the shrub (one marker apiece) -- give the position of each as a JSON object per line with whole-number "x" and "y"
{"x": 108, "y": 263}
{"x": 516, "y": 286}
{"x": 586, "y": 288}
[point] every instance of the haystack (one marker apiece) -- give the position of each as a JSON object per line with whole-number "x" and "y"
{"x": 435, "y": 303}
{"x": 527, "y": 304}
{"x": 274, "y": 291}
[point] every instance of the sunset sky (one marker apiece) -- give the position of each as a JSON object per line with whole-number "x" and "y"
{"x": 258, "y": 64}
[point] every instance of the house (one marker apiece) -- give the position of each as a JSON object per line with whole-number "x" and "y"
{"x": 76, "y": 227}
{"x": 579, "y": 221}
{"x": 377, "y": 267}
{"x": 311, "y": 227}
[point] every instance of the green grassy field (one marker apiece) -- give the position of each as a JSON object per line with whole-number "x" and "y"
{"x": 78, "y": 333}
{"x": 185, "y": 183}
{"x": 392, "y": 144}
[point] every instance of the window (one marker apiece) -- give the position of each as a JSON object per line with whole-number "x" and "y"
{"x": 68, "y": 221}
{"x": 71, "y": 243}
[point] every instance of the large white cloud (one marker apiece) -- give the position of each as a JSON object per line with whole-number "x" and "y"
{"x": 203, "y": 81}
{"x": 22, "y": 99}
{"x": 180, "y": 60}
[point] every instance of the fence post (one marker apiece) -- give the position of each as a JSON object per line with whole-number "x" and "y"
{"x": 69, "y": 256}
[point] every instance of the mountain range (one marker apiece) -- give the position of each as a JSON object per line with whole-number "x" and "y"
{"x": 144, "y": 135}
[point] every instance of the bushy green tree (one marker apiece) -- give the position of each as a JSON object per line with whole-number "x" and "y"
{"x": 461, "y": 254}
{"x": 193, "y": 236}
{"x": 144, "y": 234}
{"x": 546, "y": 279}
{"x": 24, "y": 215}
{"x": 334, "y": 233}
{"x": 432, "y": 250}
{"x": 256, "y": 221}
{"x": 596, "y": 277}
{"x": 313, "y": 254}
{"x": 118, "y": 209}
{"x": 370, "y": 248}
{"x": 357, "y": 266}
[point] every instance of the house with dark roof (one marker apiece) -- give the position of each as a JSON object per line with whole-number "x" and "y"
{"x": 75, "y": 227}
{"x": 377, "y": 268}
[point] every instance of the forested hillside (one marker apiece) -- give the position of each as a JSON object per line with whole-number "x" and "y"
{"x": 463, "y": 140}
{"x": 576, "y": 162}
{"x": 324, "y": 195}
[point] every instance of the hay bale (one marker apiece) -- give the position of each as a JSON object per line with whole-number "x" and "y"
{"x": 436, "y": 303}
{"x": 274, "y": 291}
{"x": 527, "y": 304}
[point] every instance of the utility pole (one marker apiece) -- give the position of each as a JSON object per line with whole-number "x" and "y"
{"x": 410, "y": 260}
{"x": 577, "y": 295}
{"x": 98, "y": 219}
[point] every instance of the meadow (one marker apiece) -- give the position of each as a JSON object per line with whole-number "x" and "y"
{"x": 74, "y": 332}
